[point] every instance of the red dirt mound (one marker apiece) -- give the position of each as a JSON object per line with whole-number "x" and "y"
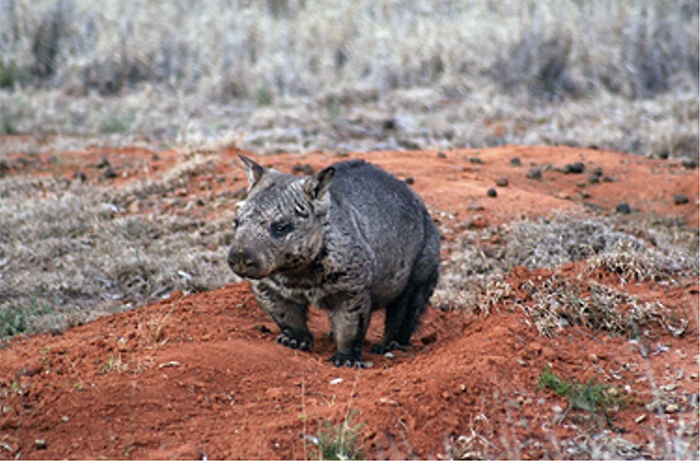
{"x": 200, "y": 375}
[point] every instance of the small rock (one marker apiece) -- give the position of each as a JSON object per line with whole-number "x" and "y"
{"x": 515, "y": 161}
{"x": 446, "y": 395}
{"x": 623, "y": 208}
{"x": 593, "y": 179}
{"x": 476, "y": 160}
{"x": 80, "y": 176}
{"x": 680, "y": 199}
{"x": 607, "y": 179}
{"x": 689, "y": 164}
{"x": 104, "y": 163}
{"x": 597, "y": 171}
{"x": 492, "y": 192}
{"x": 410, "y": 180}
{"x": 502, "y": 182}
{"x": 389, "y": 355}
{"x": 639, "y": 419}
{"x": 672, "y": 408}
{"x": 557, "y": 409}
{"x": 574, "y": 168}
{"x": 534, "y": 173}
{"x": 441, "y": 155}
{"x": 41, "y": 444}
{"x": 110, "y": 173}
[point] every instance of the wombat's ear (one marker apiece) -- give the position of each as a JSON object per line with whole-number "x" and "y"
{"x": 316, "y": 186}
{"x": 252, "y": 170}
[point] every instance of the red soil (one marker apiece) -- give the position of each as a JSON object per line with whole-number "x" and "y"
{"x": 200, "y": 375}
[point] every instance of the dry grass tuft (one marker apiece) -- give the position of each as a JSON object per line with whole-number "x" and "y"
{"x": 70, "y": 253}
{"x": 556, "y": 303}
{"x": 473, "y": 278}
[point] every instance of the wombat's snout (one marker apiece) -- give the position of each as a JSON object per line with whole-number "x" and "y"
{"x": 243, "y": 262}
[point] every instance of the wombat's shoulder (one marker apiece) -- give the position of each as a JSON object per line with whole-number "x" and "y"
{"x": 353, "y": 166}
{"x": 364, "y": 172}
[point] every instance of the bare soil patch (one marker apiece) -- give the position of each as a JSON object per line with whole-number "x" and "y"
{"x": 199, "y": 375}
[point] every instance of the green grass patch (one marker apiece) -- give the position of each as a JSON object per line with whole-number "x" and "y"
{"x": 339, "y": 441}
{"x": 597, "y": 399}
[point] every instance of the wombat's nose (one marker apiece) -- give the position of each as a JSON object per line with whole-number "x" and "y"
{"x": 243, "y": 262}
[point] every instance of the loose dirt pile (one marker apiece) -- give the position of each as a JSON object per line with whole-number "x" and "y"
{"x": 200, "y": 375}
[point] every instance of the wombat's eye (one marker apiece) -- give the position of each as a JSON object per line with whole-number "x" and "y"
{"x": 236, "y": 223}
{"x": 281, "y": 228}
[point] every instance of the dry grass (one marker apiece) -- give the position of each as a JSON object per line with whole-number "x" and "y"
{"x": 473, "y": 277}
{"x": 298, "y": 76}
{"x": 556, "y": 303}
{"x": 69, "y": 253}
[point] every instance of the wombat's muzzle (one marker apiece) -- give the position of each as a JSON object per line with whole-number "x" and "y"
{"x": 243, "y": 262}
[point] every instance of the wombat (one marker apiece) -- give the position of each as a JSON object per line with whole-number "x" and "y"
{"x": 350, "y": 239}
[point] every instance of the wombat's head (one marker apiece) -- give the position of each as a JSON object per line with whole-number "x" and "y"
{"x": 279, "y": 227}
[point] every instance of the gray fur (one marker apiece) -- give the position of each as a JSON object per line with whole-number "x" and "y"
{"x": 350, "y": 239}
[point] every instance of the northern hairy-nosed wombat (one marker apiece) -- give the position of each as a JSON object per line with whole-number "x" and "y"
{"x": 350, "y": 239}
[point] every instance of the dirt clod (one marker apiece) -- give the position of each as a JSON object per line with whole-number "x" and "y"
{"x": 623, "y": 208}
{"x": 574, "y": 168}
{"x": 110, "y": 173}
{"x": 534, "y": 173}
{"x": 680, "y": 199}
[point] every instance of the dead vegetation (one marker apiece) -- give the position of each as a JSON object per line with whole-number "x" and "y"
{"x": 71, "y": 252}
{"x": 476, "y": 74}
{"x": 475, "y": 275}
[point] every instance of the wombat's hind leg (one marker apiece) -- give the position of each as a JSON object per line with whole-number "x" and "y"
{"x": 403, "y": 314}
{"x": 396, "y": 312}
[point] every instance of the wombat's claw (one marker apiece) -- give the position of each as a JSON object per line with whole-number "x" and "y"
{"x": 293, "y": 343}
{"x": 349, "y": 360}
{"x": 382, "y": 349}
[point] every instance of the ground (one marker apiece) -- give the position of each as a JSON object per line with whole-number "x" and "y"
{"x": 199, "y": 375}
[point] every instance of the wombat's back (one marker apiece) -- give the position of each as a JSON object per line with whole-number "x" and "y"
{"x": 390, "y": 217}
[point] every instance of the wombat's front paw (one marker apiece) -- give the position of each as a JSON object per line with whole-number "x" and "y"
{"x": 349, "y": 360}
{"x": 302, "y": 344}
